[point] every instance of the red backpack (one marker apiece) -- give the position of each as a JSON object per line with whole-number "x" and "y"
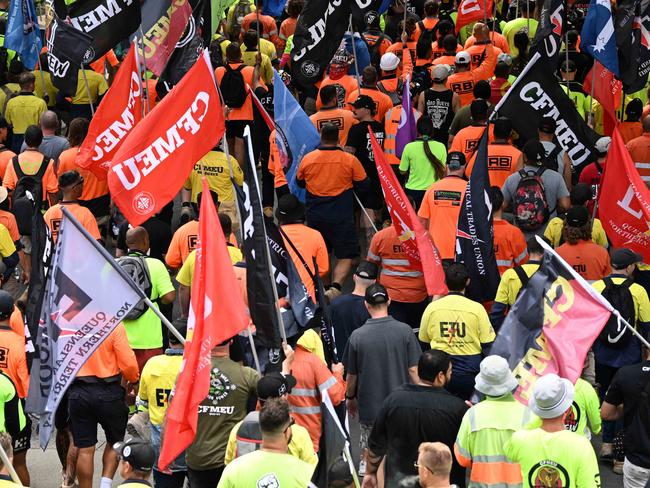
{"x": 530, "y": 206}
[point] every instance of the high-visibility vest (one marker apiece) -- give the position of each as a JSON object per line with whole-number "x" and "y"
{"x": 391, "y": 121}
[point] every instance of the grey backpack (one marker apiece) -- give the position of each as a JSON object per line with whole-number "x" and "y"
{"x": 136, "y": 267}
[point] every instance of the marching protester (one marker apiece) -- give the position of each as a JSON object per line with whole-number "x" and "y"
{"x": 326, "y": 133}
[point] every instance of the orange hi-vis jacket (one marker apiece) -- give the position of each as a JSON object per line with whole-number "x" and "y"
{"x": 464, "y": 81}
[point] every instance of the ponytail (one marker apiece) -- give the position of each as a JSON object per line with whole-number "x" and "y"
{"x": 425, "y": 129}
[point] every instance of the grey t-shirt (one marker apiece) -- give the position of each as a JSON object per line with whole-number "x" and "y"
{"x": 549, "y": 147}
{"x": 554, "y": 187}
{"x": 380, "y": 353}
{"x": 52, "y": 146}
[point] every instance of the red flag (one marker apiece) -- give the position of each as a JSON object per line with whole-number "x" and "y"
{"x": 119, "y": 112}
{"x": 216, "y": 314}
{"x": 472, "y": 10}
{"x": 607, "y": 90}
{"x": 156, "y": 157}
{"x": 624, "y": 201}
{"x": 416, "y": 242}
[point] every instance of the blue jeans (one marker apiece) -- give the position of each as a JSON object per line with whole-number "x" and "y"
{"x": 179, "y": 463}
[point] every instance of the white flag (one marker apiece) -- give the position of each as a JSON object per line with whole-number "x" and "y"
{"x": 87, "y": 296}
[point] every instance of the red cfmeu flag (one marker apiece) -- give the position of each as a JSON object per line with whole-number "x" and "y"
{"x": 624, "y": 201}
{"x": 153, "y": 162}
{"x": 415, "y": 240}
{"x": 607, "y": 90}
{"x": 472, "y": 10}
{"x": 119, "y": 112}
{"x": 217, "y": 312}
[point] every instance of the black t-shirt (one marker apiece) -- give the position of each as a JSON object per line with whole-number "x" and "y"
{"x": 160, "y": 236}
{"x": 359, "y": 139}
{"x": 626, "y": 388}
{"x": 413, "y": 414}
{"x": 348, "y": 314}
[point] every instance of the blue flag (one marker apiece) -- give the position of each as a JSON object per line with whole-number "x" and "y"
{"x": 274, "y": 8}
{"x": 23, "y": 34}
{"x": 295, "y": 134}
{"x": 597, "y": 37}
{"x": 475, "y": 232}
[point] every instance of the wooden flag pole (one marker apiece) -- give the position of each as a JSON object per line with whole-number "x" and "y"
{"x": 9, "y": 466}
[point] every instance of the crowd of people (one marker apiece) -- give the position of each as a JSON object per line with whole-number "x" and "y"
{"x": 433, "y": 407}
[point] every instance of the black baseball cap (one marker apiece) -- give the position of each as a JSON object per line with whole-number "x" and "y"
{"x": 364, "y": 101}
{"x": 577, "y": 216}
{"x": 534, "y": 151}
{"x": 290, "y": 209}
{"x": 274, "y": 385}
{"x": 367, "y": 270}
{"x": 455, "y": 160}
{"x": 6, "y": 305}
{"x": 547, "y": 125}
{"x": 137, "y": 452}
{"x": 376, "y": 294}
{"x": 624, "y": 257}
{"x": 69, "y": 178}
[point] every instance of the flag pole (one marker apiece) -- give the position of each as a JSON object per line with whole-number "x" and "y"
{"x": 593, "y": 293}
{"x": 226, "y": 151}
{"x": 566, "y": 59}
{"x": 256, "y": 360}
{"x": 123, "y": 274}
{"x": 354, "y": 55}
{"x": 249, "y": 148}
{"x": 90, "y": 99}
{"x": 145, "y": 92}
{"x": 591, "y": 99}
{"x": 363, "y": 209}
{"x": 9, "y": 466}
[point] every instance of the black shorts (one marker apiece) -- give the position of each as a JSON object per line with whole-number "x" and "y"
{"x": 97, "y": 403}
{"x": 235, "y": 128}
{"x": 340, "y": 237}
{"x": 22, "y": 441}
{"x": 62, "y": 415}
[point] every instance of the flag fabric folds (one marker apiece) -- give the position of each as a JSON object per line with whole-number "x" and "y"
{"x": 107, "y": 21}
{"x": 66, "y": 50}
{"x": 318, "y": 35}
{"x": 154, "y": 160}
{"x": 260, "y": 287}
{"x": 548, "y": 37}
{"x": 85, "y": 299}
{"x": 607, "y": 90}
{"x": 472, "y": 10}
{"x": 163, "y": 23}
{"x": 535, "y": 94}
{"x": 597, "y": 37}
{"x": 295, "y": 134}
{"x": 22, "y": 32}
{"x": 216, "y": 314}
{"x": 632, "y": 26}
{"x": 624, "y": 201}
{"x": 119, "y": 111}
{"x": 475, "y": 231}
{"x": 416, "y": 242}
{"x": 551, "y": 326}
{"x": 406, "y": 130}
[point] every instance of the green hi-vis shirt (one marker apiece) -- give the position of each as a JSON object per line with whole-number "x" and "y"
{"x": 554, "y": 459}
{"x": 263, "y": 468}
{"x": 10, "y": 407}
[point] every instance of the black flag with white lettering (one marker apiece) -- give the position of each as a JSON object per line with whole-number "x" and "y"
{"x": 107, "y": 21}
{"x": 552, "y": 24}
{"x": 259, "y": 285}
{"x": 66, "y": 49}
{"x": 475, "y": 231}
{"x": 632, "y": 27}
{"x": 318, "y": 35}
{"x": 535, "y": 94}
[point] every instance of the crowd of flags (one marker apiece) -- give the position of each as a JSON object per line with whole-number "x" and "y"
{"x": 153, "y": 154}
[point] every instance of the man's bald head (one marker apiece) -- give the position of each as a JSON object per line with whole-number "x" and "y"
{"x": 49, "y": 121}
{"x": 646, "y": 123}
{"x": 137, "y": 239}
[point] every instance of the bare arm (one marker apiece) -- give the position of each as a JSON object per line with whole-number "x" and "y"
{"x": 184, "y": 296}
{"x": 413, "y": 374}
{"x": 421, "y": 103}
{"x": 168, "y": 297}
{"x": 610, "y": 412}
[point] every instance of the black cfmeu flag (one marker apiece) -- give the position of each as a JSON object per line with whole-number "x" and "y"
{"x": 475, "y": 232}
{"x": 66, "y": 49}
{"x": 42, "y": 251}
{"x": 551, "y": 28}
{"x": 187, "y": 51}
{"x": 318, "y": 35}
{"x": 535, "y": 94}
{"x": 632, "y": 27}
{"x": 361, "y": 8}
{"x": 259, "y": 286}
{"x": 107, "y": 21}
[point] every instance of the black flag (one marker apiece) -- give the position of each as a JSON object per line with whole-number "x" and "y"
{"x": 107, "y": 21}
{"x": 632, "y": 24}
{"x": 475, "y": 232}
{"x": 66, "y": 49}
{"x": 318, "y": 35}
{"x": 551, "y": 28}
{"x": 261, "y": 296}
{"x": 535, "y": 94}
{"x": 361, "y": 8}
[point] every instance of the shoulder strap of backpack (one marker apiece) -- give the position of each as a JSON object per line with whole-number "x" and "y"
{"x": 42, "y": 169}
{"x": 17, "y": 169}
{"x": 599, "y": 167}
{"x": 608, "y": 281}
{"x": 239, "y": 68}
{"x": 380, "y": 87}
{"x": 295, "y": 249}
{"x": 521, "y": 274}
{"x": 627, "y": 283}
{"x": 540, "y": 171}
{"x": 523, "y": 173}
{"x": 7, "y": 90}
{"x": 421, "y": 26}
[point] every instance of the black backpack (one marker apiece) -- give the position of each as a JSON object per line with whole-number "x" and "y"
{"x": 233, "y": 87}
{"x": 523, "y": 277}
{"x": 27, "y": 197}
{"x": 216, "y": 54}
{"x": 136, "y": 267}
{"x": 395, "y": 96}
{"x": 616, "y": 335}
{"x": 375, "y": 55}
{"x": 421, "y": 79}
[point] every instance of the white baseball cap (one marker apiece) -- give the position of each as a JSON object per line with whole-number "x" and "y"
{"x": 462, "y": 57}
{"x": 389, "y": 62}
{"x": 440, "y": 73}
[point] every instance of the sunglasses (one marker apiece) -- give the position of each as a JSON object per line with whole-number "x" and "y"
{"x": 416, "y": 466}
